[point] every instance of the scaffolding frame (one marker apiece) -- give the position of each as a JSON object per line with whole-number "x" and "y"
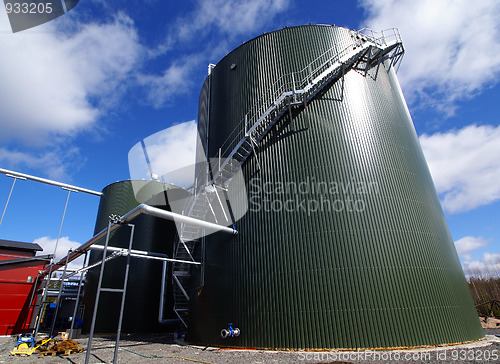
{"x": 114, "y": 223}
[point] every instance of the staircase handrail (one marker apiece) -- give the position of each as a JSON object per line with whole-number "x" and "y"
{"x": 289, "y": 83}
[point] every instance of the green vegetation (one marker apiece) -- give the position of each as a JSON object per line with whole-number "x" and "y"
{"x": 486, "y": 295}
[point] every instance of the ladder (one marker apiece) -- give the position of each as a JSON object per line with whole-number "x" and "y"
{"x": 188, "y": 240}
{"x": 291, "y": 90}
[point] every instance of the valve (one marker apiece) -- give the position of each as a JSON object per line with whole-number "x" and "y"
{"x": 230, "y": 332}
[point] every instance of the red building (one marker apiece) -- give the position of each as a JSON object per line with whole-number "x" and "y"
{"x": 18, "y": 270}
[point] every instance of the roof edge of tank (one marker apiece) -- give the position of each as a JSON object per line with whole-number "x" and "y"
{"x": 168, "y": 185}
{"x": 275, "y": 31}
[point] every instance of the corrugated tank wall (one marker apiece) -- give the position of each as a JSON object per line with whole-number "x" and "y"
{"x": 143, "y": 291}
{"x": 345, "y": 244}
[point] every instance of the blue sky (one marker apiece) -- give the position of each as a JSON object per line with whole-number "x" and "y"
{"x": 76, "y": 94}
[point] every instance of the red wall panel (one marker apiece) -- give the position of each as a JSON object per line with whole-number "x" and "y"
{"x": 15, "y": 292}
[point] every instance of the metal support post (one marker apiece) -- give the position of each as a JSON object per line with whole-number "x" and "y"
{"x": 100, "y": 289}
{"x": 211, "y": 209}
{"x": 42, "y": 304}
{"x": 124, "y": 292}
{"x": 77, "y": 302}
{"x": 32, "y": 305}
{"x": 162, "y": 290}
{"x": 98, "y": 293}
{"x": 180, "y": 286}
{"x": 254, "y": 148}
{"x": 185, "y": 247}
{"x": 202, "y": 278}
{"x": 306, "y": 117}
{"x": 62, "y": 221}
{"x": 368, "y": 60}
{"x": 220, "y": 156}
{"x": 37, "y": 326}
{"x": 342, "y": 87}
{"x": 220, "y": 203}
{"x": 10, "y": 194}
{"x": 58, "y": 302}
{"x": 290, "y": 109}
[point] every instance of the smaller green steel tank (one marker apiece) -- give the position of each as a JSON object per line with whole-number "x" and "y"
{"x": 152, "y": 234}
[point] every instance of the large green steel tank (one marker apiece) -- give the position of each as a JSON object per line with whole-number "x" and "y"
{"x": 345, "y": 244}
{"x": 152, "y": 234}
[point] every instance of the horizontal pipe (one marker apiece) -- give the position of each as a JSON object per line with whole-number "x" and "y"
{"x": 129, "y": 216}
{"x": 168, "y": 215}
{"x": 79, "y": 251}
{"x": 170, "y": 321}
{"x": 144, "y": 254}
{"x": 49, "y": 182}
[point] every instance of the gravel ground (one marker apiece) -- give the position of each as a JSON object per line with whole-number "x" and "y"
{"x": 163, "y": 349}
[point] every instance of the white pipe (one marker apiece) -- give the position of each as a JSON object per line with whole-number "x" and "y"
{"x": 149, "y": 255}
{"x": 168, "y": 215}
{"x": 49, "y": 182}
{"x": 80, "y": 250}
{"x": 141, "y": 209}
{"x": 163, "y": 293}
{"x": 144, "y": 254}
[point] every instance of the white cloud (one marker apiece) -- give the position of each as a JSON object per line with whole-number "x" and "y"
{"x": 452, "y": 46}
{"x": 216, "y": 22}
{"x": 171, "y": 153}
{"x": 53, "y": 162}
{"x": 56, "y": 83}
{"x": 465, "y": 166}
{"x": 48, "y": 244}
{"x": 174, "y": 81}
{"x": 468, "y": 244}
{"x": 487, "y": 266}
{"x": 230, "y": 17}
{"x": 105, "y": 56}
{"x": 49, "y": 78}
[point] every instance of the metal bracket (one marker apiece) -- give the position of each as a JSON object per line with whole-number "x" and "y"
{"x": 115, "y": 219}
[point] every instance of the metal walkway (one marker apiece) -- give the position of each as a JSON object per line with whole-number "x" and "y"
{"x": 290, "y": 91}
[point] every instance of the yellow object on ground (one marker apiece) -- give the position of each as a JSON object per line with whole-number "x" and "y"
{"x": 27, "y": 348}
{"x": 22, "y": 349}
